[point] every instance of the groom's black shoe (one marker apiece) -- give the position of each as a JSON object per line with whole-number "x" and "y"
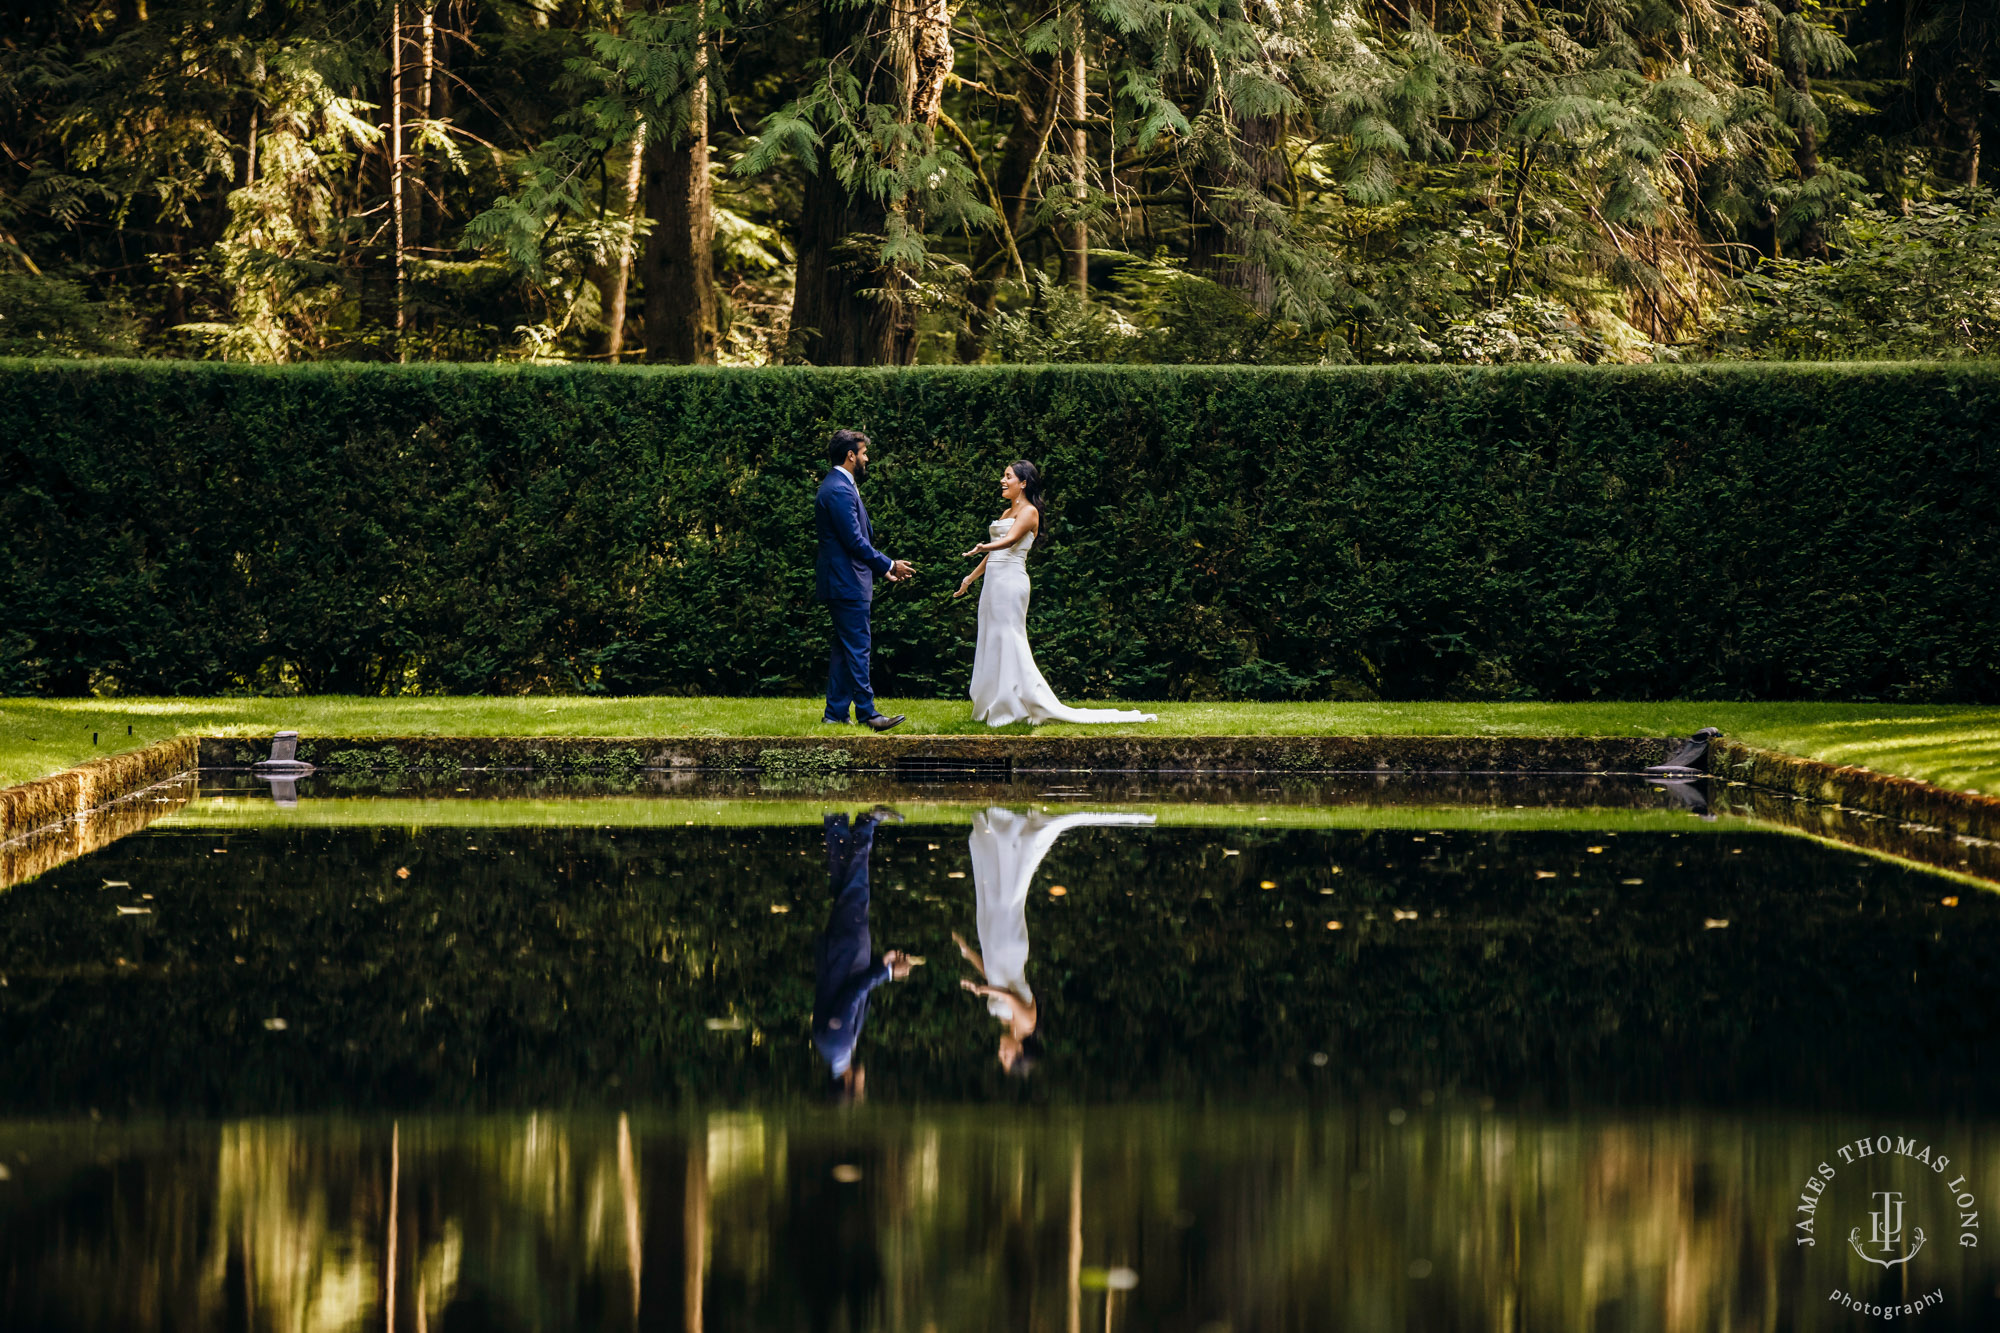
{"x": 884, "y": 721}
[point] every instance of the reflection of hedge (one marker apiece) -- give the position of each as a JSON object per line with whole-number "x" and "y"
{"x": 556, "y": 965}
{"x": 1759, "y": 531}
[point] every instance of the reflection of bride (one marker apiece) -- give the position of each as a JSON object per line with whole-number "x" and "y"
{"x": 1007, "y": 848}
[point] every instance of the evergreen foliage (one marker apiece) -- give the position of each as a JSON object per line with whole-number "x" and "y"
{"x": 1758, "y": 532}
{"x": 1329, "y": 181}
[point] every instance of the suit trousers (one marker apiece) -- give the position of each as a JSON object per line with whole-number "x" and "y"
{"x": 847, "y": 673}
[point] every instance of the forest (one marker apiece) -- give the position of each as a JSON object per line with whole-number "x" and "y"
{"x": 890, "y": 182}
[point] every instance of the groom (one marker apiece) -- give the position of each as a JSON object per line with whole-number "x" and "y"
{"x": 846, "y": 567}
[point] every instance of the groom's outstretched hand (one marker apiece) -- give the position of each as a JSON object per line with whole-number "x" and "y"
{"x": 900, "y": 570}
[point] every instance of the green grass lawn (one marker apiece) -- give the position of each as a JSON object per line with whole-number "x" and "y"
{"x": 1952, "y": 746}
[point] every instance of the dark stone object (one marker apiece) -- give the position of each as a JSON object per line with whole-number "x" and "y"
{"x": 284, "y": 760}
{"x": 1685, "y": 761}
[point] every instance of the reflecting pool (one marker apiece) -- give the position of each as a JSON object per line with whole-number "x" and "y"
{"x": 1468, "y": 1054}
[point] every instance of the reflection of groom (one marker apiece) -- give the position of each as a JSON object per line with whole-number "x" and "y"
{"x": 846, "y": 567}
{"x": 845, "y": 969}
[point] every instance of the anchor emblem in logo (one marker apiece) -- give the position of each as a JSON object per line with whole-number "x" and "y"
{"x": 1886, "y": 1232}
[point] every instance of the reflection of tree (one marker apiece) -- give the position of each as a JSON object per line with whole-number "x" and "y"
{"x": 294, "y": 1243}
{"x": 971, "y": 1222}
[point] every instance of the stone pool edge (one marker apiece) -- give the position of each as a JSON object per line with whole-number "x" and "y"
{"x": 29, "y": 807}
{"x": 1918, "y": 806}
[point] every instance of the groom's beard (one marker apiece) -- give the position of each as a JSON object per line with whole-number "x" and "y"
{"x": 860, "y": 472}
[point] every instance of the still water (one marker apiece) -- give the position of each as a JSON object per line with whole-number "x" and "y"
{"x": 1290, "y": 1059}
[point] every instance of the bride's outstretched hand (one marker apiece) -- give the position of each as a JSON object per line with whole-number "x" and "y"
{"x": 977, "y": 550}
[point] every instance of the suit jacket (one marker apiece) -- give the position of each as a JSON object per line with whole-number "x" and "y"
{"x": 848, "y": 561}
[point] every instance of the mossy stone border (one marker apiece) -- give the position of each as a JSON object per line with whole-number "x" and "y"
{"x": 933, "y": 754}
{"x": 77, "y": 791}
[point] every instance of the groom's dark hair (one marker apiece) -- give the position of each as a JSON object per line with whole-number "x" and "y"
{"x": 843, "y": 443}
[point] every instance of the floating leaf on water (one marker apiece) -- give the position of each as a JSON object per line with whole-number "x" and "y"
{"x": 1715, "y": 923}
{"x": 274, "y": 1025}
{"x": 847, "y": 1173}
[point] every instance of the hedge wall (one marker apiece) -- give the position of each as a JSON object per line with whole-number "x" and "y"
{"x": 1549, "y": 532}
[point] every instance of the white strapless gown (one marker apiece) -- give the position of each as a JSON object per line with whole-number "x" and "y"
{"x": 1007, "y": 686}
{"x": 1007, "y": 848}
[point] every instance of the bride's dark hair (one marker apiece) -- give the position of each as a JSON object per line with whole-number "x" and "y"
{"x": 1030, "y": 478}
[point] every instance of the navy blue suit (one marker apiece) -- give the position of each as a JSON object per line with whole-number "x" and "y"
{"x": 845, "y": 571}
{"x": 845, "y": 968}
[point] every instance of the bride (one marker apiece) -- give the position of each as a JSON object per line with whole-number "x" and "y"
{"x": 1006, "y": 684}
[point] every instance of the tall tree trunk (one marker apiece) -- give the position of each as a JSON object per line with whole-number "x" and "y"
{"x": 428, "y": 58}
{"x": 396, "y": 164}
{"x": 680, "y": 258}
{"x": 1960, "y": 98}
{"x": 832, "y": 323}
{"x": 621, "y": 281}
{"x": 921, "y": 43}
{"x": 1225, "y": 244}
{"x": 1079, "y": 174}
{"x": 1805, "y": 153}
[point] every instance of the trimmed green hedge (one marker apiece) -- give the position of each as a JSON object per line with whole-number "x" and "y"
{"x": 1752, "y": 531}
